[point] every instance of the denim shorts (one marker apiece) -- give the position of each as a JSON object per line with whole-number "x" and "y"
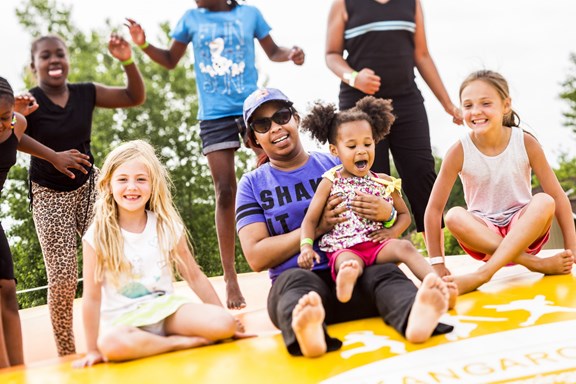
{"x": 219, "y": 134}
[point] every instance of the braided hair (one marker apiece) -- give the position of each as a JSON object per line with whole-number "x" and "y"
{"x": 323, "y": 120}
{"x": 6, "y": 91}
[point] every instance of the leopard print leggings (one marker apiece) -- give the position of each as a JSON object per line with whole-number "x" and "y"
{"x": 59, "y": 217}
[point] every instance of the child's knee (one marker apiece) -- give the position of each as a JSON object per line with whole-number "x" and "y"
{"x": 224, "y": 326}
{"x": 545, "y": 203}
{"x": 454, "y": 218}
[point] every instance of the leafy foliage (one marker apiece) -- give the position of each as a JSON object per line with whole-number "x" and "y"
{"x": 167, "y": 120}
{"x": 569, "y": 94}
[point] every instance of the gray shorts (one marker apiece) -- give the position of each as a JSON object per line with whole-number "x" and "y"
{"x": 221, "y": 133}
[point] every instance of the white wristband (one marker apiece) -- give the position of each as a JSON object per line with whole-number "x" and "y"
{"x": 436, "y": 260}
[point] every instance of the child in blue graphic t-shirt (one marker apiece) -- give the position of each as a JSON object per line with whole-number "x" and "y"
{"x": 222, "y": 34}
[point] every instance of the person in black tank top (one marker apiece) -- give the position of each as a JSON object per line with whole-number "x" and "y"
{"x": 62, "y": 207}
{"x": 384, "y": 41}
{"x": 12, "y": 138}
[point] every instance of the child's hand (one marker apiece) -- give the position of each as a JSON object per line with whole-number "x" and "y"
{"x": 25, "y": 104}
{"x": 136, "y": 31}
{"x": 91, "y": 358}
{"x": 441, "y": 270}
{"x": 119, "y": 48}
{"x": 296, "y": 55}
{"x": 71, "y": 159}
{"x": 307, "y": 257}
{"x": 381, "y": 235}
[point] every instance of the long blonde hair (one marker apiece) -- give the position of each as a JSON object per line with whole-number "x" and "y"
{"x": 108, "y": 240}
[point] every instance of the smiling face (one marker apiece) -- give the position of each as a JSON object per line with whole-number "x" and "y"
{"x": 355, "y": 148}
{"x": 483, "y": 107}
{"x": 281, "y": 140}
{"x": 131, "y": 187}
{"x": 50, "y": 62}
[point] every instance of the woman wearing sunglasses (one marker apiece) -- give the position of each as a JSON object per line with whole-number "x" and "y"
{"x": 271, "y": 204}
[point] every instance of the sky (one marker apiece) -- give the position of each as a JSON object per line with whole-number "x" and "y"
{"x": 527, "y": 41}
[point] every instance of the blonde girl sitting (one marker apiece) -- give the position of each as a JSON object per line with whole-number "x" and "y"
{"x": 130, "y": 309}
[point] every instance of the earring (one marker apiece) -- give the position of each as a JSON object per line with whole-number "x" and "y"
{"x": 229, "y": 2}
{"x": 257, "y": 142}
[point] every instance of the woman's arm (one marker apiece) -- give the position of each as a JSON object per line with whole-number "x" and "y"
{"x": 194, "y": 276}
{"x": 552, "y": 187}
{"x": 263, "y": 251}
{"x": 427, "y": 68}
{"x": 280, "y": 54}
{"x": 134, "y": 93}
{"x": 365, "y": 79}
{"x": 91, "y": 302}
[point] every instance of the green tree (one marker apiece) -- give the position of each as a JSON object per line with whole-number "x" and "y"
{"x": 167, "y": 120}
{"x": 569, "y": 94}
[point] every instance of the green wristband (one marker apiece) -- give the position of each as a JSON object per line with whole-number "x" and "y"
{"x": 127, "y": 62}
{"x": 144, "y": 45}
{"x": 392, "y": 219}
{"x": 305, "y": 241}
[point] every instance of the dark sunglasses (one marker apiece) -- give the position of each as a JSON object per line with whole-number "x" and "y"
{"x": 281, "y": 117}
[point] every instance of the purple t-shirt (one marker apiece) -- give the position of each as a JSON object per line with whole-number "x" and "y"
{"x": 280, "y": 199}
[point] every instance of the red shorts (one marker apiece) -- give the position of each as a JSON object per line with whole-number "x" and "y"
{"x": 367, "y": 251}
{"x": 533, "y": 249}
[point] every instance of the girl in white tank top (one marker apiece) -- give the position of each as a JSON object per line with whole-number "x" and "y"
{"x": 502, "y": 223}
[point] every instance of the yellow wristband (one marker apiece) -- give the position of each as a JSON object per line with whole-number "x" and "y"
{"x": 127, "y": 62}
{"x": 305, "y": 241}
{"x": 144, "y": 45}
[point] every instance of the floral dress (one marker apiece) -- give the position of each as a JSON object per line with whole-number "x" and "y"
{"x": 356, "y": 229}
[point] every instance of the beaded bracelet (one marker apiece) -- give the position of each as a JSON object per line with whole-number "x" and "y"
{"x": 127, "y": 62}
{"x": 144, "y": 45}
{"x": 305, "y": 241}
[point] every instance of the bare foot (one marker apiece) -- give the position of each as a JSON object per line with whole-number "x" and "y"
{"x": 559, "y": 264}
{"x": 234, "y": 298}
{"x": 468, "y": 282}
{"x": 346, "y": 279}
{"x": 430, "y": 303}
{"x": 307, "y": 318}
{"x": 452, "y": 290}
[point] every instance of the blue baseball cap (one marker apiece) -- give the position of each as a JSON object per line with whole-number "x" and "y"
{"x": 261, "y": 96}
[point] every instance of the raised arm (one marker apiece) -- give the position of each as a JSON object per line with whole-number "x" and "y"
{"x": 428, "y": 70}
{"x": 552, "y": 187}
{"x": 134, "y": 92}
{"x": 91, "y": 301}
{"x": 451, "y": 166}
{"x": 168, "y": 58}
{"x": 365, "y": 79}
{"x": 194, "y": 276}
